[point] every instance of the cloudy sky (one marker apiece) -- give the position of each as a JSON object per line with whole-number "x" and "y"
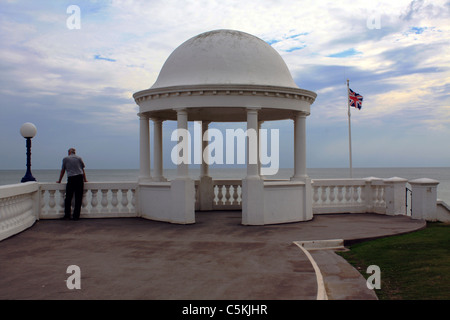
{"x": 76, "y": 85}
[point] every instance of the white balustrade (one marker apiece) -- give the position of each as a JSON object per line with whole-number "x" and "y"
{"x": 19, "y": 205}
{"x": 227, "y": 194}
{"x": 348, "y": 196}
{"x": 22, "y": 204}
{"x": 117, "y": 199}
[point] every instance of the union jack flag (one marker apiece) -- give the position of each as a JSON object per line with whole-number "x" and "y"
{"x": 355, "y": 99}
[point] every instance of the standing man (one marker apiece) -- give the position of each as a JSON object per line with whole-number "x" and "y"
{"x": 76, "y": 177}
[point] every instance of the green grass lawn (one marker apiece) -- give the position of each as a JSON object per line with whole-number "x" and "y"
{"x": 414, "y": 266}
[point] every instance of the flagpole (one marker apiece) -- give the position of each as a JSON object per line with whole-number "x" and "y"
{"x": 349, "y": 130}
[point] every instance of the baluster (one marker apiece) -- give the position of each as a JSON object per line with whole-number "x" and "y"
{"x": 104, "y": 201}
{"x": 51, "y": 200}
{"x": 84, "y": 202}
{"x": 18, "y": 208}
{"x": 8, "y": 206}
{"x": 220, "y": 195}
{"x": 62, "y": 196}
{"x": 3, "y": 208}
{"x": 94, "y": 201}
{"x": 239, "y": 192}
{"x": 13, "y": 207}
{"x": 363, "y": 193}
{"x": 124, "y": 200}
{"x": 374, "y": 195}
{"x": 114, "y": 200}
{"x": 10, "y": 209}
{"x": 133, "y": 198}
{"x": 340, "y": 195}
{"x": 380, "y": 195}
{"x": 227, "y": 195}
{"x": 28, "y": 205}
{"x": 355, "y": 194}
{"x": 316, "y": 194}
{"x": 348, "y": 193}
{"x": 235, "y": 194}
{"x": 323, "y": 195}
{"x": 332, "y": 194}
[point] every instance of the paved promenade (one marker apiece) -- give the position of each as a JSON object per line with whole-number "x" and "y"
{"x": 216, "y": 258}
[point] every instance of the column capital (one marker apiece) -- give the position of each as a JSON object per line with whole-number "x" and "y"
{"x": 159, "y": 120}
{"x": 298, "y": 114}
{"x": 253, "y": 109}
{"x": 180, "y": 110}
{"x": 143, "y": 116}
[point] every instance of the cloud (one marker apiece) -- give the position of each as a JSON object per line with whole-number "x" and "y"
{"x": 77, "y": 85}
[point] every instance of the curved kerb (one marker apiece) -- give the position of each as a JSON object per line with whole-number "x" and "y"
{"x": 337, "y": 244}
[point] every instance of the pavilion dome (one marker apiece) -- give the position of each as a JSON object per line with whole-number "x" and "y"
{"x": 224, "y": 57}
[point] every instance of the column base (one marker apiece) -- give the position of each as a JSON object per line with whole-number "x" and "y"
{"x": 299, "y": 178}
{"x": 160, "y": 179}
{"x": 183, "y": 201}
{"x": 145, "y": 179}
{"x": 253, "y": 201}
{"x": 206, "y": 193}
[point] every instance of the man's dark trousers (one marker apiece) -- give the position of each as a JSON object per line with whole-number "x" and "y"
{"x": 75, "y": 185}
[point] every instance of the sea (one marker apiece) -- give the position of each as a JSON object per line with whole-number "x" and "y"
{"x": 441, "y": 174}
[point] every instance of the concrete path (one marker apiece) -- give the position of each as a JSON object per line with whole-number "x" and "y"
{"x": 216, "y": 258}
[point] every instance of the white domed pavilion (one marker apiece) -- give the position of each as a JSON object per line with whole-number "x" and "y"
{"x": 223, "y": 76}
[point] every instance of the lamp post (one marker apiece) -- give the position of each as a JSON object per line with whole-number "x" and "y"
{"x": 28, "y": 131}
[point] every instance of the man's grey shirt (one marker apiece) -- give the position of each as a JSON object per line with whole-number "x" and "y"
{"x": 73, "y": 164}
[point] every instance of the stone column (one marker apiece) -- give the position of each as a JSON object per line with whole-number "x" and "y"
{"x": 144, "y": 148}
{"x": 259, "y": 148}
{"x": 206, "y": 187}
{"x": 182, "y": 188}
{"x": 299, "y": 147}
{"x": 252, "y": 185}
{"x": 253, "y": 144}
{"x": 204, "y": 170}
{"x": 158, "y": 150}
{"x": 182, "y": 124}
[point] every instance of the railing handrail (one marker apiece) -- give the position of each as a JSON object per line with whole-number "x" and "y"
{"x": 18, "y": 189}
{"x": 89, "y": 185}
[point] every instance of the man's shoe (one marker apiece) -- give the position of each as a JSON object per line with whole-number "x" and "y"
{"x": 65, "y": 218}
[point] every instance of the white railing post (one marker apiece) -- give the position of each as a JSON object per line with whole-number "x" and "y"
{"x": 395, "y": 196}
{"x": 424, "y": 199}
